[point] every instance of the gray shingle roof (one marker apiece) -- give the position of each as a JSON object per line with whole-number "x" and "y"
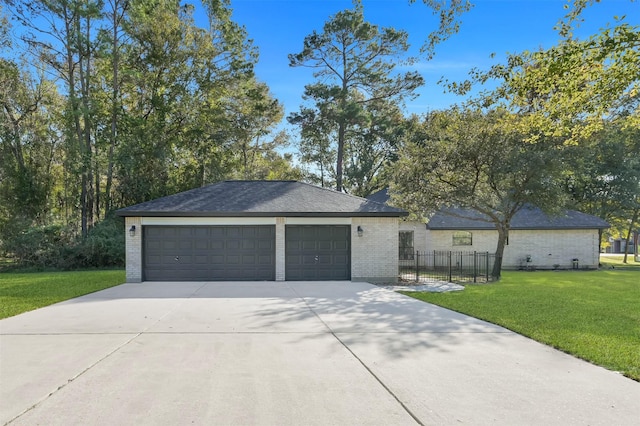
{"x": 528, "y": 218}
{"x": 381, "y": 196}
{"x": 261, "y": 198}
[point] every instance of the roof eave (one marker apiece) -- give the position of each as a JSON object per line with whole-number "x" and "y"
{"x": 129, "y": 213}
{"x": 516, "y": 228}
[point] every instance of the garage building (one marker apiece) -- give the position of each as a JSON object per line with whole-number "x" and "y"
{"x": 261, "y": 230}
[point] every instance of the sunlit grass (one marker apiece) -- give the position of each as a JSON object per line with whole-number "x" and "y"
{"x": 615, "y": 260}
{"x": 593, "y": 315}
{"x": 22, "y": 292}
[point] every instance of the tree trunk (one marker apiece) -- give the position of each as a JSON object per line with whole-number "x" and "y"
{"x": 84, "y": 69}
{"x": 73, "y": 99}
{"x": 503, "y": 235}
{"x": 634, "y": 219}
{"x": 342, "y": 122}
{"x": 115, "y": 96}
{"x": 341, "y": 132}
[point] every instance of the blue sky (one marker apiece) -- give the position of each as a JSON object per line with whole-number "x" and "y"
{"x": 278, "y": 27}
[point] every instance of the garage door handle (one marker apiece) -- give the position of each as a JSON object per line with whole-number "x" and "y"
{"x": 316, "y": 259}
{"x": 177, "y": 259}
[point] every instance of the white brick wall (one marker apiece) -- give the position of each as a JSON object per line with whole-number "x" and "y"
{"x": 133, "y": 250}
{"x": 546, "y": 247}
{"x": 419, "y": 233}
{"x": 374, "y": 256}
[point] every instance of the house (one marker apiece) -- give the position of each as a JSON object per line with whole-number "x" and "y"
{"x": 619, "y": 245}
{"x": 536, "y": 240}
{"x": 261, "y": 230}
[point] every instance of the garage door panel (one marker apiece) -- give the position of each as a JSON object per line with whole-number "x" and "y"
{"x": 217, "y": 233}
{"x": 201, "y": 259}
{"x": 264, "y": 245}
{"x": 263, "y": 232}
{"x": 167, "y": 260}
{"x": 185, "y": 245}
{"x": 232, "y": 244}
{"x": 200, "y": 233}
{"x": 318, "y": 252}
{"x": 293, "y": 245}
{"x": 340, "y": 260}
{"x": 185, "y": 232}
{"x": 234, "y": 232}
{"x": 325, "y": 245}
{"x": 216, "y": 244}
{"x": 154, "y": 245}
{"x": 168, "y": 244}
{"x": 209, "y": 253}
{"x": 340, "y": 245}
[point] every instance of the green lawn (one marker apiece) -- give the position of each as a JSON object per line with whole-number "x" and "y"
{"x": 22, "y": 292}
{"x": 615, "y": 261}
{"x": 594, "y": 315}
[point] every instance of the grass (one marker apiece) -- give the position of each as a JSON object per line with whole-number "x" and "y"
{"x": 22, "y": 292}
{"x": 593, "y": 315}
{"x": 615, "y": 261}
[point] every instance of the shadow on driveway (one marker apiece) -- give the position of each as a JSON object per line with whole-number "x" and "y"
{"x": 288, "y": 353}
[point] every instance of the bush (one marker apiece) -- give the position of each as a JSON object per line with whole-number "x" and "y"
{"x": 58, "y": 247}
{"x": 104, "y": 246}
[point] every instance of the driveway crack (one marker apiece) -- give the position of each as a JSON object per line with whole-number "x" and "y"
{"x": 109, "y": 354}
{"x": 376, "y": 378}
{"x": 72, "y": 379}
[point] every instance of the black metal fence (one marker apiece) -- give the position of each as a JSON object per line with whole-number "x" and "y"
{"x": 451, "y": 266}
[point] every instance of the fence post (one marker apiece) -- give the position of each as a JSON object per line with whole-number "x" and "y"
{"x": 450, "y": 265}
{"x": 475, "y": 266}
{"x": 417, "y": 265}
{"x": 487, "y": 272}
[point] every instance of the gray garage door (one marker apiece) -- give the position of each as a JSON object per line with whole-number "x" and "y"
{"x": 318, "y": 252}
{"x": 209, "y": 253}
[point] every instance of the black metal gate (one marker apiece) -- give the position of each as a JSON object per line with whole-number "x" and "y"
{"x": 451, "y": 266}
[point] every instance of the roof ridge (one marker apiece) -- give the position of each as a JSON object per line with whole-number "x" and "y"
{"x": 259, "y": 180}
{"x": 342, "y": 193}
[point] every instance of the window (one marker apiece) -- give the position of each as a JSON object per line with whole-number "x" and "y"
{"x": 405, "y": 245}
{"x": 462, "y": 238}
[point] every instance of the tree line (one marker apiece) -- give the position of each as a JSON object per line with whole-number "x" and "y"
{"x": 107, "y": 104}
{"x": 106, "y": 107}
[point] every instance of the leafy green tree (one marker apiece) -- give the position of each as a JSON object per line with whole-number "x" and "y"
{"x": 253, "y": 114}
{"x": 373, "y": 148}
{"x": 59, "y": 33}
{"x": 315, "y": 147}
{"x": 473, "y": 160}
{"x": 575, "y": 88}
{"x": 354, "y": 63}
{"x": 28, "y": 141}
{"x": 605, "y": 176}
{"x": 110, "y": 69}
{"x": 188, "y": 91}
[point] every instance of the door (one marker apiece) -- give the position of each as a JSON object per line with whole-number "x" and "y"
{"x": 317, "y": 252}
{"x": 209, "y": 253}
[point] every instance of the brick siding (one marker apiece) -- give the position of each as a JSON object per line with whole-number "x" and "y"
{"x": 374, "y": 256}
{"x": 133, "y": 250}
{"x": 547, "y": 248}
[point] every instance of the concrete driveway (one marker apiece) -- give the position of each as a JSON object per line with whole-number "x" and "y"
{"x": 298, "y": 353}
